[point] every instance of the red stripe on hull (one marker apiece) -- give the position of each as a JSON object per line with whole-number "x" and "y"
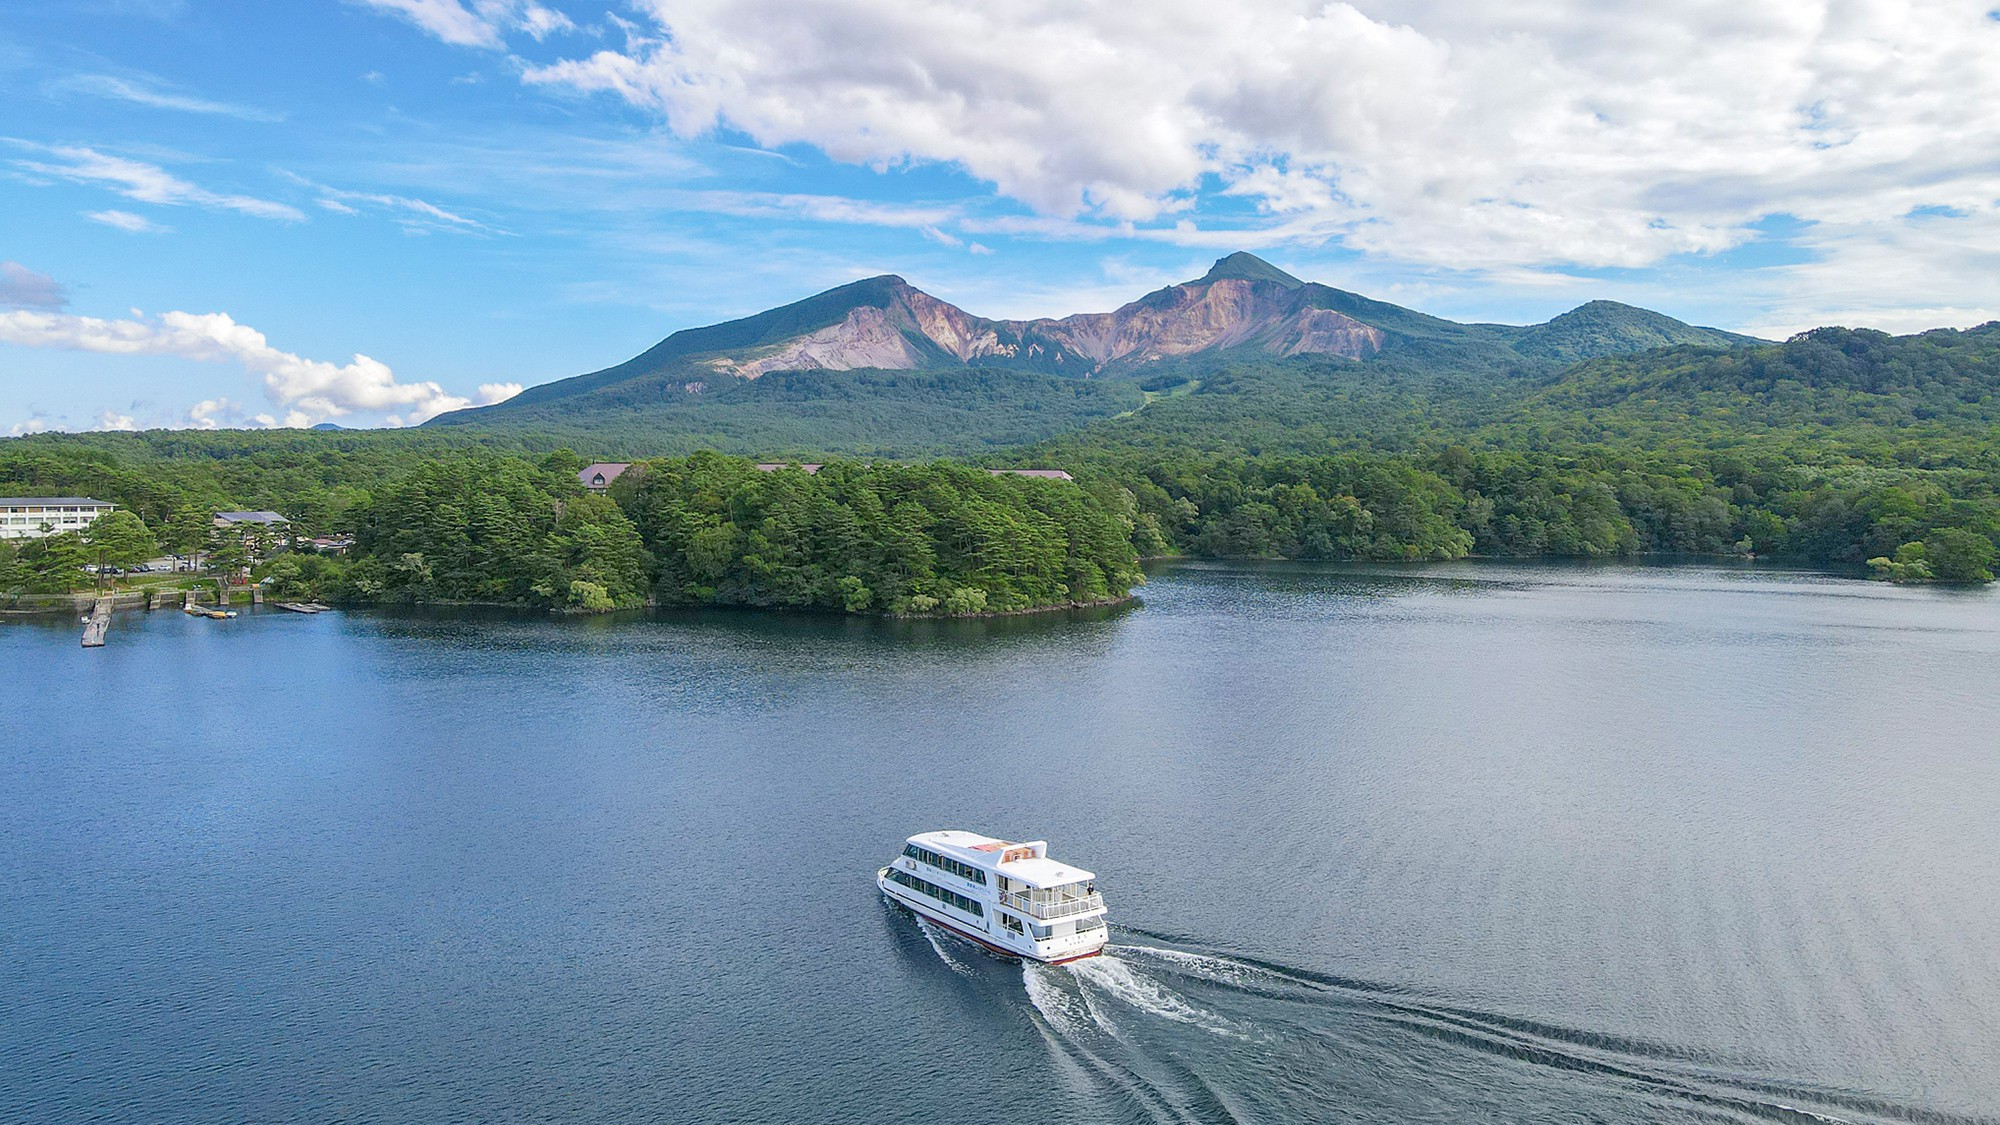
{"x": 975, "y": 938}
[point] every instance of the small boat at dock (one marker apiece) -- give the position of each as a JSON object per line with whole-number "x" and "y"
{"x": 1008, "y": 897}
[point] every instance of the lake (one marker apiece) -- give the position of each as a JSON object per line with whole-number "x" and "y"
{"x": 1455, "y": 843}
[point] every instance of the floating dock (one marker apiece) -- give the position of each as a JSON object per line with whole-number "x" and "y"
{"x": 304, "y": 607}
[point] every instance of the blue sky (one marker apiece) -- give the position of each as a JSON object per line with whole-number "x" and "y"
{"x": 211, "y": 210}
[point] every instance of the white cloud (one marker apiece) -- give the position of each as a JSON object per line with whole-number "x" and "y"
{"x": 490, "y": 393}
{"x": 110, "y": 420}
{"x": 1504, "y": 135}
{"x": 126, "y": 221}
{"x": 305, "y": 390}
{"x": 410, "y": 212}
{"x": 926, "y": 218}
{"x": 148, "y": 94}
{"x": 35, "y": 425}
{"x": 1898, "y": 277}
{"x": 23, "y": 288}
{"x": 147, "y": 183}
{"x": 212, "y": 413}
{"x": 483, "y": 24}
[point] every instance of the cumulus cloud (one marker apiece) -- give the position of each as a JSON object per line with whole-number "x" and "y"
{"x": 490, "y": 393}
{"x": 147, "y": 183}
{"x": 305, "y": 391}
{"x": 1517, "y": 133}
{"x": 213, "y": 413}
{"x": 23, "y": 288}
{"x": 149, "y": 94}
{"x": 111, "y": 420}
{"x": 485, "y": 23}
{"x": 126, "y": 221}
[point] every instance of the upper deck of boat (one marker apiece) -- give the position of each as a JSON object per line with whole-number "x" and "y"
{"x": 1024, "y": 862}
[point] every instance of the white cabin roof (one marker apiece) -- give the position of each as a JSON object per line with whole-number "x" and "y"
{"x": 1026, "y": 862}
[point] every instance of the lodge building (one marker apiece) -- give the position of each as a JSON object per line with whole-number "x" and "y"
{"x": 34, "y": 517}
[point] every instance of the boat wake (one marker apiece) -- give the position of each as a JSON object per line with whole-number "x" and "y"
{"x": 942, "y": 943}
{"x": 1156, "y": 1033}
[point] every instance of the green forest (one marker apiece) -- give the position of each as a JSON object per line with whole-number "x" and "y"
{"x": 1838, "y": 448}
{"x": 438, "y": 524}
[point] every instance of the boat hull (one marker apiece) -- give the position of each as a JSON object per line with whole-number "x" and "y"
{"x": 923, "y": 910}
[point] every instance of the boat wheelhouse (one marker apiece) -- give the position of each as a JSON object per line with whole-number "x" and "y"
{"x": 1009, "y": 897}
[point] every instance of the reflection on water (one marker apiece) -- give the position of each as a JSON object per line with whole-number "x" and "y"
{"x": 1456, "y": 843}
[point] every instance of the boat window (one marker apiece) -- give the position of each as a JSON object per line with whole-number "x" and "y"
{"x": 945, "y": 863}
{"x": 942, "y": 894}
{"x": 1011, "y": 922}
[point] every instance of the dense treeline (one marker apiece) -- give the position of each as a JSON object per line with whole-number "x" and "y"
{"x": 1460, "y": 502}
{"x": 710, "y": 529}
{"x": 498, "y": 530}
{"x": 902, "y": 538}
{"x": 705, "y": 529}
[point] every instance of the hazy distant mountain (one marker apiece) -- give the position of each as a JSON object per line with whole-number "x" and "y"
{"x": 1243, "y": 306}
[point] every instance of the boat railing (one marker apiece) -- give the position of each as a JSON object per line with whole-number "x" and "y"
{"x": 1049, "y": 909}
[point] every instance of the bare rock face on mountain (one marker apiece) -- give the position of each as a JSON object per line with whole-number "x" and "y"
{"x": 867, "y": 337}
{"x": 1273, "y": 313}
{"x": 889, "y": 335}
{"x": 1224, "y": 313}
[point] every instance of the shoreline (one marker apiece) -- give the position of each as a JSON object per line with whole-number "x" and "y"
{"x": 55, "y": 605}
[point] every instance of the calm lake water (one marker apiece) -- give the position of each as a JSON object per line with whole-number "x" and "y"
{"x": 1451, "y": 844}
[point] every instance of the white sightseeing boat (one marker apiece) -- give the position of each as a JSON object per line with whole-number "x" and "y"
{"x": 1011, "y": 898}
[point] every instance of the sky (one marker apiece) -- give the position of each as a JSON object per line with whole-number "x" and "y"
{"x": 245, "y": 213}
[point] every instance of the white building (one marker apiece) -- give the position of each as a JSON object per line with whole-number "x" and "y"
{"x": 32, "y": 517}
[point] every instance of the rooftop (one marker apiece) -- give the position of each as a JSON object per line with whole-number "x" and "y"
{"x": 1045, "y": 474}
{"x": 251, "y": 517}
{"x": 814, "y": 467}
{"x": 1027, "y": 862}
{"x": 64, "y": 501}
{"x": 608, "y": 470}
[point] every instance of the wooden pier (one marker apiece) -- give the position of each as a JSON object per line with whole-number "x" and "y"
{"x": 97, "y": 624}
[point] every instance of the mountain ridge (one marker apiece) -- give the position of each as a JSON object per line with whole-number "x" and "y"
{"x": 1242, "y": 304}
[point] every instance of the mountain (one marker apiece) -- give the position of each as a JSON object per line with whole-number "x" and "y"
{"x": 1603, "y": 328}
{"x": 1243, "y": 310}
